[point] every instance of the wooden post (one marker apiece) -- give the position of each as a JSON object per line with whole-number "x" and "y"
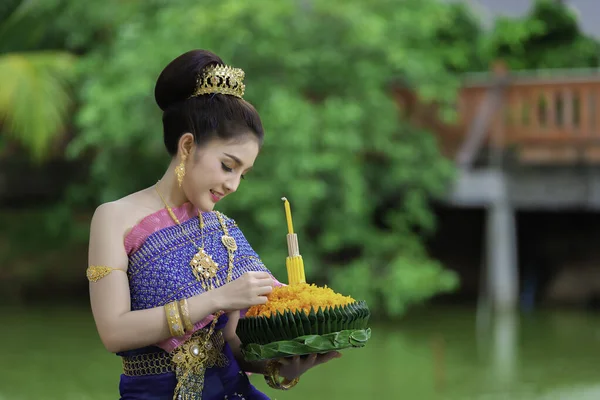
{"x": 501, "y": 244}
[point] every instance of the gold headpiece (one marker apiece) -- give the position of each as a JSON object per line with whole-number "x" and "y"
{"x": 221, "y": 79}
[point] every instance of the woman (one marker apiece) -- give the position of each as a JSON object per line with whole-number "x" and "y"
{"x": 168, "y": 275}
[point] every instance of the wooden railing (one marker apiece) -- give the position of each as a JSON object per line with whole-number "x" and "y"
{"x": 543, "y": 117}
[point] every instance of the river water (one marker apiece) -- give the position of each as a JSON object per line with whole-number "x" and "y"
{"x": 435, "y": 353}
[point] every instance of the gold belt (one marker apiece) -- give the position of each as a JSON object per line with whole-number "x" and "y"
{"x": 187, "y": 353}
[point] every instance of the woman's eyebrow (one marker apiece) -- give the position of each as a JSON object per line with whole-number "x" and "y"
{"x": 234, "y": 158}
{"x": 238, "y": 161}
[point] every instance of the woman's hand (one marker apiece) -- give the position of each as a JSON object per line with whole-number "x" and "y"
{"x": 248, "y": 290}
{"x": 293, "y": 367}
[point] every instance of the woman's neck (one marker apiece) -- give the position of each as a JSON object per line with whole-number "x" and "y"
{"x": 169, "y": 188}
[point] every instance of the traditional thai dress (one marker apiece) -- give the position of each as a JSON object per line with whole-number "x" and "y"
{"x": 159, "y": 272}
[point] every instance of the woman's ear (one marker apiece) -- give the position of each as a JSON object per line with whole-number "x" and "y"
{"x": 185, "y": 146}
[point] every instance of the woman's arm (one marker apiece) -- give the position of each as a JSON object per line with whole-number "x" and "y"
{"x": 256, "y": 367}
{"x": 120, "y": 328}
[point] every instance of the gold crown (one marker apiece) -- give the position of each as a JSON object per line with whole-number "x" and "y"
{"x": 221, "y": 79}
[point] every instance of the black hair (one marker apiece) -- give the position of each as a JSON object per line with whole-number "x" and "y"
{"x": 207, "y": 116}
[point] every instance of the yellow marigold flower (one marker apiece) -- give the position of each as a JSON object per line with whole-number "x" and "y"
{"x": 300, "y": 296}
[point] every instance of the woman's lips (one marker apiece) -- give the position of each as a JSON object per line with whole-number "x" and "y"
{"x": 215, "y": 196}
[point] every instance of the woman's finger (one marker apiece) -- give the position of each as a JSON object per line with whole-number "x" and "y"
{"x": 262, "y": 290}
{"x": 323, "y": 358}
{"x": 259, "y": 274}
{"x": 309, "y": 361}
{"x": 265, "y": 281}
{"x": 285, "y": 361}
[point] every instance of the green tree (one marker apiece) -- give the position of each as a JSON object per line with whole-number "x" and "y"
{"x": 359, "y": 178}
{"x": 548, "y": 37}
{"x": 459, "y": 39}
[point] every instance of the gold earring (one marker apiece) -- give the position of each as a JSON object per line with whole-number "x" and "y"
{"x": 180, "y": 170}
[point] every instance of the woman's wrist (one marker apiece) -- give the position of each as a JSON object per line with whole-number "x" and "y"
{"x": 275, "y": 379}
{"x": 259, "y": 366}
{"x": 252, "y": 367}
{"x": 204, "y": 304}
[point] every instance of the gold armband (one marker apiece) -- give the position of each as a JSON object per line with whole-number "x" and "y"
{"x": 185, "y": 315}
{"x": 174, "y": 319}
{"x": 274, "y": 380}
{"x": 96, "y": 272}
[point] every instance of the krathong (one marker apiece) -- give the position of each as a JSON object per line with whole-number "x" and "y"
{"x": 302, "y": 318}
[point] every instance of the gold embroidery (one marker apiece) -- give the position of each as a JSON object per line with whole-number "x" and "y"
{"x": 163, "y": 362}
{"x": 190, "y": 369}
{"x": 194, "y": 357}
{"x": 202, "y": 351}
{"x": 96, "y": 272}
{"x": 147, "y": 364}
{"x": 203, "y": 266}
{"x": 161, "y": 245}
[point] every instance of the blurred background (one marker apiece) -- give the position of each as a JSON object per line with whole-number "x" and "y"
{"x": 441, "y": 158}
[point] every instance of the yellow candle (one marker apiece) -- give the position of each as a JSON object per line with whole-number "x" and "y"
{"x": 294, "y": 262}
{"x": 288, "y": 215}
{"x": 295, "y": 270}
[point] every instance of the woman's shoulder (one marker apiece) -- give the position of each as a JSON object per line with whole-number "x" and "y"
{"x": 121, "y": 214}
{"x": 109, "y": 223}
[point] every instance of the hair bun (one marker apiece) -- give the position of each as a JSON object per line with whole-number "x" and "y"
{"x": 177, "y": 82}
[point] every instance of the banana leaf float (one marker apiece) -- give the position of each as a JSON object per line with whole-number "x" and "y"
{"x": 303, "y": 319}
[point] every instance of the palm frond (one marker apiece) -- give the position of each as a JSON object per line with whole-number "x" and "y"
{"x": 35, "y": 97}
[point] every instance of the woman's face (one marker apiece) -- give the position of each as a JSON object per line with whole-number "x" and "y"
{"x": 215, "y": 170}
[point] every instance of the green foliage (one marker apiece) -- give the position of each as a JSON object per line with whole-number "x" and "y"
{"x": 548, "y": 37}
{"x": 28, "y": 81}
{"x": 35, "y": 97}
{"x": 359, "y": 179}
{"x": 459, "y": 40}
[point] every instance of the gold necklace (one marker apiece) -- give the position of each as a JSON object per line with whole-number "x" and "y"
{"x": 203, "y": 266}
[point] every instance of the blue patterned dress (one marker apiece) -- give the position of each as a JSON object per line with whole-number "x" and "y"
{"x": 159, "y": 272}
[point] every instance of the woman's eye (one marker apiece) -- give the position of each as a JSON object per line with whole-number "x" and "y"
{"x": 226, "y": 168}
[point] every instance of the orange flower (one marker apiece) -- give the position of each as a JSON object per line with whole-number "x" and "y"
{"x": 300, "y": 296}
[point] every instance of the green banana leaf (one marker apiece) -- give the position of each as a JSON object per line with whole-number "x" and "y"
{"x": 290, "y": 325}
{"x": 307, "y": 344}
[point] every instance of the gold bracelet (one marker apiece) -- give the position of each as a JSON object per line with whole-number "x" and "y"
{"x": 273, "y": 379}
{"x": 174, "y": 319}
{"x": 185, "y": 315}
